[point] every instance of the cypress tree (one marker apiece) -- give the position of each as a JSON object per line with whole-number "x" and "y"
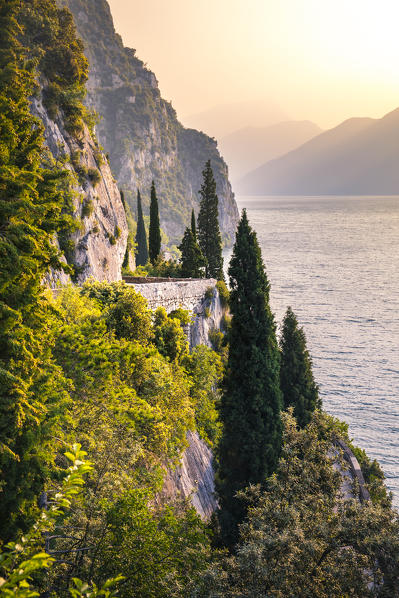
{"x": 209, "y": 237}
{"x": 296, "y": 378}
{"x": 155, "y": 230}
{"x": 193, "y": 225}
{"x": 251, "y": 401}
{"x": 141, "y": 236}
{"x": 192, "y": 261}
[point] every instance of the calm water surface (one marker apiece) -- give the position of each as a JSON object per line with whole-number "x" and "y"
{"x": 335, "y": 260}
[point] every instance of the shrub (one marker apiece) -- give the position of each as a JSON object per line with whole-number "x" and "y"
{"x": 224, "y": 293}
{"x": 87, "y": 208}
{"x": 209, "y": 293}
{"x": 130, "y": 318}
{"x": 94, "y": 176}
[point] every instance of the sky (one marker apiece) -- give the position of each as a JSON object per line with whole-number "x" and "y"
{"x": 321, "y": 60}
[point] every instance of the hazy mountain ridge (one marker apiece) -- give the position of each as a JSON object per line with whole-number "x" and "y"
{"x": 250, "y": 147}
{"x": 359, "y": 157}
{"x": 140, "y": 130}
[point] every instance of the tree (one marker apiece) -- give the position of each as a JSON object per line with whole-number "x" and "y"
{"x": 251, "y": 402}
{"x": 155, "y": 230}
{"x": 30, "y": 213}
{"x": 192, "y": 260}
{"x": 302, "y": 538}
{"x": 193, "y": 225}
{"x": 209, "y": 237}
{"x": 296, "y": 378}
{"x": 141, "y": 236}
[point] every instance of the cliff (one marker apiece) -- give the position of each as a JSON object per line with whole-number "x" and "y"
{"x": 97, "y": 247}
{"x": 140, "y": 131}
{"x": 194, "y": 477}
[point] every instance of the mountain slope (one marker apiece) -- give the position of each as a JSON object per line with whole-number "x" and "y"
{"x": 359, "y": 157}
{"x": 250, "y": 147}
{"x": 140, "y": 130}
{"x": 224, "y": 119}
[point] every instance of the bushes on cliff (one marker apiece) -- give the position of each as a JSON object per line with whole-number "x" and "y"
{"x": 49, "y": 34}
{"x": 302, "y": 538}
{"x": 31, "y": 200}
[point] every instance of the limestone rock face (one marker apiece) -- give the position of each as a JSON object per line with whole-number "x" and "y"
{"x": 194, "y": 478}
{"x": 100, "y": 243}
{"x": 141, "y": 132}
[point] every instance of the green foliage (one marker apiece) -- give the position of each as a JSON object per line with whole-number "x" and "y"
{"x": 87, "y": 208}
{"x": 251, "y": 402}
{"x": 21, "y": 561}
{"x": 209, "y": 293}
{"x": 193, "y": 225}
{"x": 205, "y": 369}
{"x": 130, "y": 318}
{"x": 141, "y": 236}
{"x": 94, "y": 176}
{"x": 192, "y": 261}
{"x": 104, "y": 293}
{"x": 296, "y": 378}
{"x": 161, "y": 550}
{"x": 373, "y": 476}
{"x": 50, "y": 35}
{"x": 169, "y": 336}
{"x": 31, "y": 200}
{"x": 209, "y": 237}
{"x": 164, "y": 269}
{"x": 302, "y": 538}
{"x": 224, "y": 293}
{"x": 154, "y": 237}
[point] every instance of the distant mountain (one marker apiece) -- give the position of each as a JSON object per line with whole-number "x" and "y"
{"x": 248, "y": 148}
{"x": 224, "y": 119}
{"x": 359, "y": 157}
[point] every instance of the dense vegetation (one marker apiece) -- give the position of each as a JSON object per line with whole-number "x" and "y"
{"x": 94, "y": 366}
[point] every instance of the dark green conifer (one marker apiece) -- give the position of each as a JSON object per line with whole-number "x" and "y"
{"x": 141, "y": 236}
{"x": 209, "y": 237}
{"x": 251, "y": 402}
{"x": 296, "y": 378}
{"x": 193, "y": 225}
{"x": 192, "y": 261}
{"x": 155, "y": 229}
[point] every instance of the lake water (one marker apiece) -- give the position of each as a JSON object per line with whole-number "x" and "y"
{"x": 335, "y": 261}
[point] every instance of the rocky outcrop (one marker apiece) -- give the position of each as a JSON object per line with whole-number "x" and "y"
{"x": 140, "y": 130}
{"x": 97, "y": 247}
{"x": 194, "y": 478}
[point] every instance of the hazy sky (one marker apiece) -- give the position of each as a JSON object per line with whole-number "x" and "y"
{"x": 323, "y": 60}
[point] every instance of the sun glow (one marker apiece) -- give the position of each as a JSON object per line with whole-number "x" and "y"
{"x": 324, "y": 60}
